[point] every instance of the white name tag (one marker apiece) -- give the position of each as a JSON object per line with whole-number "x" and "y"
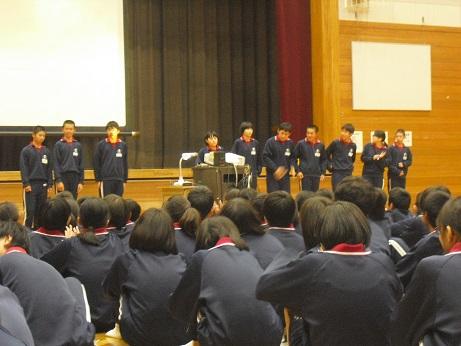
{"x": 119, "y": 155}
{"x": 350, "y": 153}
{"x": 44, "y": 160}
{"x": 317, "y": 154}
{"x": 287, "y": 152}
{"x": 75, "y": 153}
{"x": 253, "y": 151}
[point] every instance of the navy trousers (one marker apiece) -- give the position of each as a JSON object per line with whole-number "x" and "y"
{"x": 33, "y": 202}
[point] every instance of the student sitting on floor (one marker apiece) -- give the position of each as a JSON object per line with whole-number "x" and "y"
{"x": 309, "y": 215}
{"x": 399, "y": 205}
{"x": 345, "y": 293}
{"x": 378, "y": 212}
{"x": 119, "y": 218}
{"x": 201, "y": 198}
{"x": 8, "y": 212}
{"x": 218, "y": 288}
{"x": 135, "y": 212}
{"x": 144, "y": 277}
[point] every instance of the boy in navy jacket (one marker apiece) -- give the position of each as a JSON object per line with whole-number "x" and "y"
{"x": 36, "y": 174}
{"x": 68, "y": 161}
{"x": 312, "y": 160}
{"x": 110, "y": 162}
{"x": 374, "y": 159}
{"x": 341, "y": 155}
{"x": 211, "y": 140}
{"x": 399, "y": 159}
{"x": 278, "y": 158}
{"x": 249, "y": 148}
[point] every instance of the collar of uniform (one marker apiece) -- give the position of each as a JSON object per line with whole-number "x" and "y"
{"x": 50, "y": 233}
{"x": 345, "y": 142}
{"x": 16, "y": 249}
{"x": 245, "y": 141}
{"x": 349, "y": 249}
{"x": 176, "y": 226}
{"x": 455, "y": 248}
{"x": 400, "y": 146}
{"x": 101, "y": 231}
{"x": 290, "y": 228}
{"x": 35, "y": 147}
{"x": 312, "y": 143}
{"x": 224, "y": 241}
{"x": 117, "y": 141}
{"x": 66, "y": 141}
{"x": 277, "y": 139}
{"x": 218, "y": 148}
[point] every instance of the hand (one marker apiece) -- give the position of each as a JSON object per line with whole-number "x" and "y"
{"x": 382, "y": 154}
{"x": 401, "y": 164}
{"x": 28, "y": 188}
{"x": 322, "y": 177}
{"x": 216, "y": 209}
{"x": 60, "y": 186}
{"x": 280, "y": 172}
{"x": 401, "y": 174}
{"x": 300, "y": 175}
{"x": 49, "y": 191}
{"x": 99, "y": 185}
{"x": 79, "y": 188}
{"x": 376, "y": 157}
{"x": 71, "y": 231}
{"x": 293, "y": 172}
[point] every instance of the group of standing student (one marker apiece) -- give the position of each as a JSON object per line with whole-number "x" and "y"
{"x": 38, "y": 163}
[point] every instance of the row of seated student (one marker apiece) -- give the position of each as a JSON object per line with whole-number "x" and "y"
{"x": 346, "y": 271}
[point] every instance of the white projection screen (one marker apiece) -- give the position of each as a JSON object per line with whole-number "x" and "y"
{"x": 61, "y": 59}
{"x": 391, "y": 76}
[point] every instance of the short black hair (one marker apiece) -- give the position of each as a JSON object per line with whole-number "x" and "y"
{"x": 8, "y": 212}
{"x": 134, "y": 208}
{"x": 325, "y": 193}
{"x": 400, "y": 198}
{"x": 285, "y": 126}
{"x": 258, "y": 205}
{"x": 378, "y": 210}
{"x": 154, "y": 232}
{"x": 73, "y": 204}
{"x": 118, "y": 210}
{"x": 402, "y": 131}
{"x": 312, "y": 126}
{"x": 210, "y": 134}
{"x": 112, "y": 124}
{"x": 343, "y": 222}
{"x": 302, "y": 197}
{"x": 429, "y": 190}
{"x": 37, "y": 129}
{"x": 380, "y": 134}
{"x": 190, "y": 222}
{"x": 176, "y": 206}
{"x": 248, "y": 193}
{"x": 279, "y": 209}
{"x": 450, "y": 215}
{"x": 243, "y": 215}
{"x": 231, "y": 194}
{"x": 54, "y": 214}
{"x": 245, "y": 125}
{"x": 94, "y": 213}
{"x": 358, "y": 191}
{"x": 310, "y": 213}
{"x": 348, "y": 127}
{"x": 201, "y": 198}
{"x": 18, "y": 233}
{"x": 433, "y": 203}
{"x": 214, "y": 228}
{"x": 68, "y": 122}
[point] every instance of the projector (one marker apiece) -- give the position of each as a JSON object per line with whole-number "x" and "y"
{"x": 235, "y": 159}
{"x": 215, "y": 158}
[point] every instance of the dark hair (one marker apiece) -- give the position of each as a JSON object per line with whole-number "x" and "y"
{"x": 154, "y": 232}
{"x": 231, "y": 194}
{"x": 248, "y": 193}
{"x": 343, "y": 222}
{"x": 8, "y": 212}
{"x": 315, "y": 127}
{"x": 18, "y": 233}
{"x": 82, "y": 199}
{"x": 400, "y": 198}
{"x": 37, "y": 129}
{"x": 54, "y": 214}
{"x": 134, "y": 208}
{"x": 190, "y": 222}
{"x": 210, "y": 134}
{"x": 427, "y": 191}
{"x": 112, "y": 124}
{"x": 258, "y": 205}
{"x": 201, "y": 198}
{"x": 73, "y": 204}
{"x": 348, "y": 127}
{"x": 285, "y": 126}
{"x": 68, "y": 122}
{"x": 325, "y": 193}
{"x": 402, "y": 131}
{"x": 118, "y": 210}
{"x": 378, "y": 209}
{"x": 279, "y": 209}
{"x": 302, "y": 197}
{"x": 358, "y": 191}
{"x": 310, "y": 213}
{"x": 433, "y": 203}
{"x": 214, "y": 228}
{"x": 245, "y": 125}
{"x": 380, "y": 134}
{"x": 243, "y": 215}
{"x": 176, "y": 206}
{"x": 450, "y": 215}
{"x": 94, "y": 213}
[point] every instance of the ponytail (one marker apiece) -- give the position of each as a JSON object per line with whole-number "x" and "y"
{"x": 190, "y": 222}
{"x": 89, "y": 237}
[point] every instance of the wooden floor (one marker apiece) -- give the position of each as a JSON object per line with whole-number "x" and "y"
{"x": 103, "y": 340}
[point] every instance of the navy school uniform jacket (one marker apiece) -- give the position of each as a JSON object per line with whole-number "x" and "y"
{"x": 396, "y": 155}
{"x": 251, "y": 151}
{"x": 68, "y": 158}
{"x": 341, "y": 155}
{"x": 431, "y": 309}
{"x": 90, "y": 264}
{"x": 145, "y": 280}
{"x": 312, "y": 158}
{"x": 110, "y": 161}
{"x": 396, "y": 215}
{"x": 370, "y": 166}
{"x": 220, "y": 283}
{"x": 52, "y": 312}
{"x": 203, "y": 151}
{"x": 123, "y": 234}
{"x": 346, "y": 298}
{"x": 264, "y": 247}
{"x": 36, "y": 165}
{"x": 13, "y": 325}
{"x": 278, "y": 154}
{"x": 43, "y": 241}
{"x": 411, "y": 230}
{"x": 185, "y": 243}
{"x": 427, "y": 246}
{"x": 289, "y": 238}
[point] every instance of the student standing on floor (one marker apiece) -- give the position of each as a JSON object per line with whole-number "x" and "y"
{"x": 399, "y": 159}
{"x": 36, "y": 174}
{"x": 374, "y": 159}
{"x": 249, "y": 148}
{"x": 341, "y": 155}
{"x": 68, "y": 161}
{"x": 110, "y": 162}
{"x": 312, "y": 160}
{"x": 278, "y": 158}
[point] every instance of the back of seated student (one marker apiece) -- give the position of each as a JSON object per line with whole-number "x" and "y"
{"x": 325, "y": 193}
{"x": 53, "y": 218}
{"x": 280, "y": 210}
{"x": 14, "y": 330}
{"x": 258, "y": 205}
{"x": 429, "y": 245}
{"x": 309, "y": 215}
{"x": 119, "y": 217}
{"x": 218, "y": 288}
{"x": 300, "y": 198}
{"x": 248, "y": 193}
{"x": 231, "y": 194}
{"x": 378, "y": 211}
{"x": 262, "y": 245}
{"x": 55, "y": 312}
{"x": 201, "y": 198}
{"x": 144, "y": 277}
{"x": 430, "y": 312}
{"x": 8, "y": 212}
{"x": 399, "y": 205}
{"x": 73, "y": 204}
{"x": 211, "y": 140}
{"x": 88, "y": 257}
{"x": 135, "y": 211}
{"x": 345, "y": 293}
